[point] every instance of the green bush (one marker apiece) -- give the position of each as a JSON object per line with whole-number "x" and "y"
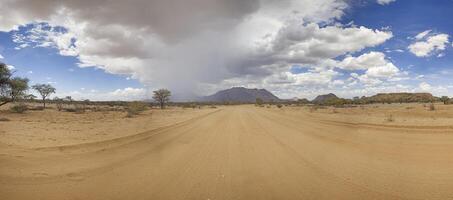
{"x": 19, "y": 108}
{"x": 135, "y": 108}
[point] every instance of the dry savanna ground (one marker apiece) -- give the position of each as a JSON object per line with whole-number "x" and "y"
{"x": 397, "y": 151}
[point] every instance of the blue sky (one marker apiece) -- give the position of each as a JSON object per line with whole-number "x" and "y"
{"x": 107, "y": 58}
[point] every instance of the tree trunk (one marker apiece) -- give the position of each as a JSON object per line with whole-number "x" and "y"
{"x": 44, "y": 102}
{"x": 161, "y": 105}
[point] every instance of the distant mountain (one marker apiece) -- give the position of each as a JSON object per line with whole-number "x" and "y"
{"x": 323, "y": 99}
{"x": 243, "y": 95}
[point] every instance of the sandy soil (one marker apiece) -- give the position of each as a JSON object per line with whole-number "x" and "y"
{"x": 53, "y": 128}
{"x": 247, "y": 152}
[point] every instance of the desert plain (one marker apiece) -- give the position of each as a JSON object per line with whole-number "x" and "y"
{"x": 378, "y": 151}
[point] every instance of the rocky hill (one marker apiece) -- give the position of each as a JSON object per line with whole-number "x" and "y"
{"x": 242, "y": 95}
{"x": 323, "y": 99}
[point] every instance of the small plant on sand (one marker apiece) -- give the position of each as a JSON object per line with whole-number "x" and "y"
{"x": 59, "y": 103}
{"x": 19, "y": 108}
{"x": 259, "y": 102}
{"x": 389, "y": 118}
{"x": 135, "y": 108}
{"x": 279, "y": 106}
{"x": 432, "y": 107}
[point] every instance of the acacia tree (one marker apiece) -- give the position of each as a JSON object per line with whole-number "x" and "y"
{"x": 162, "y": 96}
{"x": 44, "y": 90}
{"x": 445, "y": 99}
{"x": 11, "y": 89}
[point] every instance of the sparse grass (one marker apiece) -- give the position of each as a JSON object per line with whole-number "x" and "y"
{"x": 38, "y": 108}
{"x": 79, "y": 109}
{"x": 313, "y": 109}
{"x": 135, "y": 108}
{"x": 334, "y": 110}
{"x": 19, "y": 108}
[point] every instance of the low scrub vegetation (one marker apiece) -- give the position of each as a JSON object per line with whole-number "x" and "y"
{"x": 135, "y": 108}
{"x": 431, "y": 107}
{"x": 19, "y": 108}
{"x": 2, "y": 119}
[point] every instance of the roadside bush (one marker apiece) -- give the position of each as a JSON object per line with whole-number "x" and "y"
{"x": 279, "y": 106}
{"x": 79, "y": 109}
{"x": 4, "y": 119}
{"x": 135, "y": 108}
{"x": 432, "y": 107}
{"x": 19, "y": 108}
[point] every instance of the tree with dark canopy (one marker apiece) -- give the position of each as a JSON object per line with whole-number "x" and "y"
{"x": 162, "y": 96}
{"x": 11, "y": 88}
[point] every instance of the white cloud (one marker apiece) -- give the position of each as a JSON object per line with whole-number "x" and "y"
{"x": 424, "y": 86}
{"x": 430, "y": 45}
{"x": 1, "y": 57}
{"x": 248, "y": 42}
{"x": 422, "y": 35}
{"x": 126, "y": 94}
{"x": 364, "y": 61}
{"x": 377, "y": 68}
{"x": 385, "y": 2}
{"x": 10, "y": 67}
{"x": 385, "y": 71}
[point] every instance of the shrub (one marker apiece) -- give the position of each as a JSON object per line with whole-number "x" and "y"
{"x": 4, "y": 119}
{"x": 135, "y": 108}
{"x": 19, "y": 108}
{"x": 432, "y": 107}
{"x": 79, "y": 109}
{"x": 279, "y": 106}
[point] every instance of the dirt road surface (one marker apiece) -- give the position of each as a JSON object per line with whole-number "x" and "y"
{"x": 240, "y": 152}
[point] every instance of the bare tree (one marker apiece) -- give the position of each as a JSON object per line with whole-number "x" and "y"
{"x": 44, "y": 90}
{"x": 162, "y": 96}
